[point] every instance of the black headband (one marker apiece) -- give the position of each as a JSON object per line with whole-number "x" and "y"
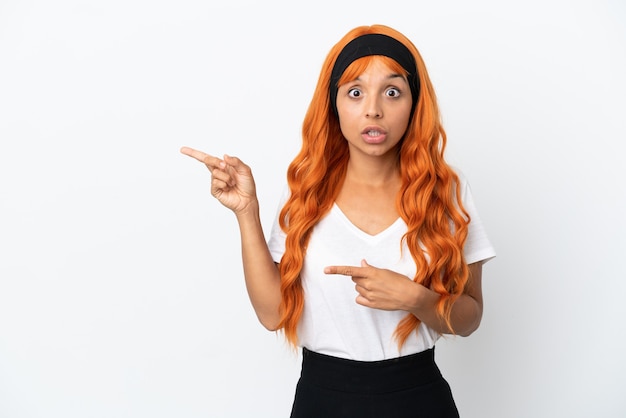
{"x": 374, "y": 44}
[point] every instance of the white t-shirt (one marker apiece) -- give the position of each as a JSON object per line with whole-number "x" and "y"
{"x": 332, "y": 322}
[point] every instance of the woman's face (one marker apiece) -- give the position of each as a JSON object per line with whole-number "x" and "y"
{"x": 374, "y": 110}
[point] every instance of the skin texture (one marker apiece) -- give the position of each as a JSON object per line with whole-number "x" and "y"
{"x": 378, "y": 99}
{"x": 374, "y": 112}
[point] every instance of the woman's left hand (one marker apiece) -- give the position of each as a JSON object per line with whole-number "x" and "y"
{"x": 380, "y": 288}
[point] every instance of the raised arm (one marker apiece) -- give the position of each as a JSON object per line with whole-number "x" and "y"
{"x": 232, "y": 184}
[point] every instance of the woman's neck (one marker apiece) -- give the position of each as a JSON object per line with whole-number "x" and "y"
{"x": 373, "y": 172}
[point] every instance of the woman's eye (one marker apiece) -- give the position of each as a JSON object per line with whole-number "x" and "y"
{"x": 354, "y": 93}
{"x": 393, "y": 92}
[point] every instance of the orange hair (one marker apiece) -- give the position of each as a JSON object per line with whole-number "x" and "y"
{"x": 428, "y": 202}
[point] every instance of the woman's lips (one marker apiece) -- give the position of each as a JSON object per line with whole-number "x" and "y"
{"x": 373, "y": 135}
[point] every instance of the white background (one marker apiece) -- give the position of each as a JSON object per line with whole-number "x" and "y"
{"x": 121, "y": 290}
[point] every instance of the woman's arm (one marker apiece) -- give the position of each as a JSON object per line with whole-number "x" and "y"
{"x": 384, "y": 289}
{"x": 467, "y": 310}
{"x": 232, "y": 184}
{"x": 260, "y": 271}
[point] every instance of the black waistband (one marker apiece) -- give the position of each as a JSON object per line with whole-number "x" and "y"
{"x": 369, "y": 376}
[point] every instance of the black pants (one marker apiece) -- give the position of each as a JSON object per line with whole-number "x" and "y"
{"x": 406, "y": 387}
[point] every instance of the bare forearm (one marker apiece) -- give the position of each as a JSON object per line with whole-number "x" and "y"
{"x": 261, "y": 273}
{"x": 465, "y": 316}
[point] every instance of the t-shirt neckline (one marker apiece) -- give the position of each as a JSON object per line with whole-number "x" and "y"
{"x": 336, "y": 210}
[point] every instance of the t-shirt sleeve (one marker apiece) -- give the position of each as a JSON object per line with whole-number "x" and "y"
{"x": 276, "y": 242}
{"x": 478, "y": 247}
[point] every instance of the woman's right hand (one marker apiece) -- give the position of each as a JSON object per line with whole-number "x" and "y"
{"x": 232, "y": 183}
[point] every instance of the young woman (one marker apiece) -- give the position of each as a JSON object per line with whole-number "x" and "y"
{"x": 377, "y": 249}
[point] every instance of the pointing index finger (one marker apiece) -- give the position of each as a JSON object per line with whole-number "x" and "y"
{"x": 351, "y": 271}
{"x": 207, "y": 159}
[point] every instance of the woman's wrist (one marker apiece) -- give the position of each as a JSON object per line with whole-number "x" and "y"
{"x": 423, "y": 301}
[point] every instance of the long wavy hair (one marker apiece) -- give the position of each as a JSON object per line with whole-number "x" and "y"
{"x": 428, "y": 201}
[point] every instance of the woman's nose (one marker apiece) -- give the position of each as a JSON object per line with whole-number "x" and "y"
{"x": 373, "y": 109}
